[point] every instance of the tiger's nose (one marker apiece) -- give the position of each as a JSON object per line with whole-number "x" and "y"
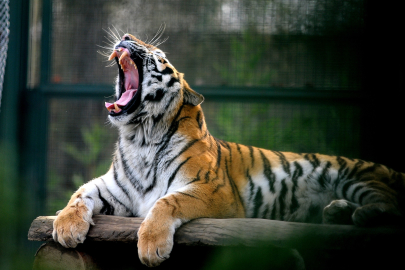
{"x": 127, "y": 37}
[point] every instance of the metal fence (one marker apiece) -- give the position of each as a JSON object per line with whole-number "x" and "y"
{"x": 4, "y": 30}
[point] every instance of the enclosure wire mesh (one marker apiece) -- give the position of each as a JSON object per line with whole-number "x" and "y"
{"x": 4, "y": 32}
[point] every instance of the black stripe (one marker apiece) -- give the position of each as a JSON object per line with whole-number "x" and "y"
{"x": 163, "y": 145}
{"x": 281, "y": 199}
{"x": 266, "y": 212}
{"x": 167, "y": 70}
{"x": 218, "y": 153}
{"x": 284, "y": 162}
{"x": 172, "y": 81}
{"x": 158, "y": 77}
{"x": 156, "y": 96}
{"x": 137, "y": 118}
{"x": 363, "y": 195}
{"x": 258, "y": 201}
{"x": 273, "y": 210}
{"x": 196, "y": 179}
{"x": 346, "y": 187}
{"x": 171, "y": 178}
{"x": 131, "y": 138}
{"x": 218, "y": 186}
{"x": 116, "y": 199}
{"x": 127, "y": 170}
{"x": 313, "y": 160}
{"x": 207, "y": 177}
{"x": 107, "y": 208}
{"x": 226, "y": 145}
{"x": 268, "y": 173}
{"x": 235, "y": 190}
{"x": 324, "y": 176}
{"x": 342, "y": 165}
{"x": 185, "y": 148}
{"x": 240, "y": 153}
{"x": 356, "y": 189}
{"x": 156, "y": 119}
{"x": 370, "y": 169}
{"x": 297, "y": 173}
{"x": 119, "y": 183}
{"x": 199, "y": 120}
{"x": 189, "y": 195}
{"x": 357, "y": 166}
{"x": 251, "y": 186}
{"x": 252, "y": 158}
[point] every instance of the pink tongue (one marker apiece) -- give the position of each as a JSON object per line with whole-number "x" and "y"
{"x": 124, "y": 99}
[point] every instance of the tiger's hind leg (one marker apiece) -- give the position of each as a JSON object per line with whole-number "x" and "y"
{"x": 375, "y": 214}
{"x": 339, "y": 212}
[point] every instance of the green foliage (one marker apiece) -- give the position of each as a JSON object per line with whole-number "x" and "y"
{"x": 91, "y": 156}
{"x": 246, "y": 65}
{"x": 95, "y": 139}
{"x": 264, "y": 125}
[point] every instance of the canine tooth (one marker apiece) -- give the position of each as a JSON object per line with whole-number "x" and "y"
{"x": 112, "y": 56}
{"x": 124, "y": 54}
{"x": 116, "y": 107}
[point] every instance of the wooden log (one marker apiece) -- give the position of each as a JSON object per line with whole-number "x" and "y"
{"x": 238, "y": 232}
{"x": 54, "y": 256}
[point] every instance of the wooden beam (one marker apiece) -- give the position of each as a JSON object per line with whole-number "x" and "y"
{"x": 238, "y": 232}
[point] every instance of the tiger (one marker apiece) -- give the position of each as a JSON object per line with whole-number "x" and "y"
{"x": 168, "y": 169}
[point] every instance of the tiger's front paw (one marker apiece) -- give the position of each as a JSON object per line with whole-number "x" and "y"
{"x": 155, "y": 243}
{"x": 338, "y": 212}
{"x": 71, "y": 226}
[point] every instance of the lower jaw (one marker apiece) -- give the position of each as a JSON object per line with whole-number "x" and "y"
{"x": 131, "y": 106}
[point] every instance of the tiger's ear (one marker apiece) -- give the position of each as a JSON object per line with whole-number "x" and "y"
{"x": 190, "y": 96}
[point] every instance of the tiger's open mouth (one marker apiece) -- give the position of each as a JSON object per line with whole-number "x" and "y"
{"x": 129, "y": 83}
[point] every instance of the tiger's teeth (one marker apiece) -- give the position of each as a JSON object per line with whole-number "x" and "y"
{"x": 123, "y": 55}
{"x": 133, "y": 63}
{"x": 116, "y": 107}
{"x": 113, "y": 55}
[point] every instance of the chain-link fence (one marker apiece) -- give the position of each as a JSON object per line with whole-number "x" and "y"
{"x": 4, "y": 31}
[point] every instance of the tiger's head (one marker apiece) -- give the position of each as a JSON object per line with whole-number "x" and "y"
{"x": 148, "y": 88}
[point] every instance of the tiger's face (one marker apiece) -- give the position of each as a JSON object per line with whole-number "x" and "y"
{"x": 148, "y": 87}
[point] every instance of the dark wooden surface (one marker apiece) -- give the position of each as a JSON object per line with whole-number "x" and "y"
{"x": 227, "y": 244}
{"x": 237, "y": 232}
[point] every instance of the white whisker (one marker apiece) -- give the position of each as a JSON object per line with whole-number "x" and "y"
{"x": 107, "y": 48}
{"x": 112, "y": 34}
{"x": 117, "y": 31}
{"x": 158, "y": 34}
{"x": 163, "y": 41}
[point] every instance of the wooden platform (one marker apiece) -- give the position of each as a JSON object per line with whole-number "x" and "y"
{"x": 222, "y": 243}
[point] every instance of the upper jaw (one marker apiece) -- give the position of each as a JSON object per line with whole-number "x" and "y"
{"x": 129, "y": 81}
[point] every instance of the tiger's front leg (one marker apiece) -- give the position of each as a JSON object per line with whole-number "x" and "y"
{"x": 155, "y": 235}
{"x": 73, "y": 222}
